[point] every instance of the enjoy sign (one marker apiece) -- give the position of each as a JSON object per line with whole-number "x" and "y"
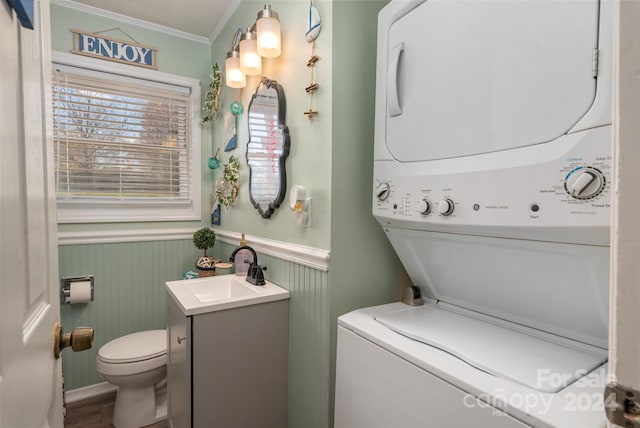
{"x": 98, "y": 46}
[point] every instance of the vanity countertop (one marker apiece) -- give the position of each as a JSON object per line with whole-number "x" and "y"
{"x": 216, "y": 293}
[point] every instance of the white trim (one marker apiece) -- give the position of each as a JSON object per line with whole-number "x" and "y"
{"x": 227, "y": 16}
{"x": 86, "y": 392}
{"x": 315, "y": 258}
{"x": 129, "y": 20}
{"x": 59, "y": 57}
{"x": 77, "y": 214}
{"x": 624, "y": 345}
{"x": 116, "y": 236}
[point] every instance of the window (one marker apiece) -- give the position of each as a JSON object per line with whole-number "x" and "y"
{"x": 124, "y": 146}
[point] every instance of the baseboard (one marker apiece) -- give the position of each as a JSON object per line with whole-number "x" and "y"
{"x": 78, "y": 394}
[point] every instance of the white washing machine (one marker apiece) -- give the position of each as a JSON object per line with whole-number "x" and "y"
{"x": 492, "y": 181}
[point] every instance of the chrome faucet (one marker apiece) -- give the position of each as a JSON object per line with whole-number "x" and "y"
{"x": 255, "y": 273}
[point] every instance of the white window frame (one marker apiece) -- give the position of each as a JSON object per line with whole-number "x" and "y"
{"x": 110, "y": 212}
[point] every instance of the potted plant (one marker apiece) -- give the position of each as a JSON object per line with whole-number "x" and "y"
{"x": 204, "y": 239}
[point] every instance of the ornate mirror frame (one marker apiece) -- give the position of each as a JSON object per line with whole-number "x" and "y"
{"x": 268, "y": 147}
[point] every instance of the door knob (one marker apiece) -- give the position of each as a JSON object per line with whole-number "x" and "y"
{"x": 80, "y": 339}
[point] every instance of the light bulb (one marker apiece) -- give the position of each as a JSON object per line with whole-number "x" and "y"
{"x": 268, "y": 32}
{"x": 235, "y": 77}
{"x": 299, "y": 206}
{"x": 296, "y": 198}
{"x": 250, "y": 61}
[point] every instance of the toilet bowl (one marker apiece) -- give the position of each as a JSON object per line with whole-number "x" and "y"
{"x": 137, "y": 364}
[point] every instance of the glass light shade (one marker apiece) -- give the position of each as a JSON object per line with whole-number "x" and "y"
{"x": 250, "y": 61}
{"x": 235, "y": 76}
{"x": 268, "y": 29}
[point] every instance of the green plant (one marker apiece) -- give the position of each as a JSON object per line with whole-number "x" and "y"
{"x": 204, "y": 239}
{"x": 212, "y": 96}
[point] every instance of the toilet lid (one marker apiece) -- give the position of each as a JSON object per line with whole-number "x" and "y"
{"x": 143, "y": 345}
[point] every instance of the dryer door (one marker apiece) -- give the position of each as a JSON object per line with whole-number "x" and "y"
{"x": 478, "y": 76}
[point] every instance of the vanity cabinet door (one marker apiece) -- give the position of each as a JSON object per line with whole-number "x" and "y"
{"x": 178, "y": 367}
{"x": 240, "y": 366}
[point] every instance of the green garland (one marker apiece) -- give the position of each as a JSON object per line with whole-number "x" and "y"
{"x": 227, "y": 186}
{"x": 210, "y": 107}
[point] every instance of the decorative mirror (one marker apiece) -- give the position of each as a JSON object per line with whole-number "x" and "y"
{"x": 268, "y": 147}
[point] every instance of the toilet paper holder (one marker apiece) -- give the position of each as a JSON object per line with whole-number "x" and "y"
{"x": 66, "y": 284}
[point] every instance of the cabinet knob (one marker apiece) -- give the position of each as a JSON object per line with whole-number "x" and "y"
{"x": 181, "y": 339}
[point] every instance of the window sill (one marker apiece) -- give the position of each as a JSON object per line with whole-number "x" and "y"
{"x": 96, "y": 213}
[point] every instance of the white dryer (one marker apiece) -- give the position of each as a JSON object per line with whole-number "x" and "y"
{"x": 492, "y": 181}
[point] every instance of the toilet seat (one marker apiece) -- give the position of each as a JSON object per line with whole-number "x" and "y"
{"x": 133, "y": 353}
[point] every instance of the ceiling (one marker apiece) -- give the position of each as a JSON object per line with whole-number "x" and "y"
{"x": 198, "y": 17}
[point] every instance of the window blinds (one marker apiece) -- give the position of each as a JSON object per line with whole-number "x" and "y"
{"x": 120, "y": 139}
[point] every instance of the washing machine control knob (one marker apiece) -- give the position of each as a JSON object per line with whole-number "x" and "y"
{"x": 424, "y": 207}
{"x": 585, "y": 183}
{"x": 446, "y": 207}
{"x": 382, "y": 190}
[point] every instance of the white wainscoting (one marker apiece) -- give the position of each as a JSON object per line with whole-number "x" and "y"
{"x": 315, "y": 258}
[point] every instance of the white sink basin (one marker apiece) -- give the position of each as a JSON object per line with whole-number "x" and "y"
{"x": 215, "y": 293}
{"x": 220, "y": 288}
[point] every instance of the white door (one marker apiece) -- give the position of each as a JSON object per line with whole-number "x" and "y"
{"x": 624, "y": 347}
{"x": 30, "y": 376}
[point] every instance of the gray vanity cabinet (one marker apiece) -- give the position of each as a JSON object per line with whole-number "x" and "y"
{"x": 178, "y": 366}
{"x": 228, "y": 368}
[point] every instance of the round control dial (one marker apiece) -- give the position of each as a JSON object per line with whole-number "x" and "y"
{"x": 382, "y": 190}
{"x": 446, "y": 207}
{"x": 424, "y": 207}
{"x": 584, "y": 183}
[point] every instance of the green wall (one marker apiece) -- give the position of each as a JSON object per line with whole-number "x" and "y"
{"x": 179, "y": 56}
{"x": 365, "y": 271}
{"x": 308, "y": 164}
{"x": 129, "y": 294}
{"x": 129, "y": 277}
{"x": 176, "y": 55}
{"x": 309, "y": 337}
{"x": 331, "y": 156}
{"x": 309, "y": 161}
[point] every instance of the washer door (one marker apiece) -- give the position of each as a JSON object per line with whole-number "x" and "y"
{"x": 478, "y": 76}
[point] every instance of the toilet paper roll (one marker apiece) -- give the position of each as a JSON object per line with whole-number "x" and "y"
{"x": 80, "y": 292}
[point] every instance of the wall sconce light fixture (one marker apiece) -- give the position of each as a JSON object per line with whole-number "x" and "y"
{"x": 261, "y": 40}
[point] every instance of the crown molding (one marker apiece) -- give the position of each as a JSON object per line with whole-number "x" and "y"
{"x": 133, "y": 21}
{"x": 225, "y": 19}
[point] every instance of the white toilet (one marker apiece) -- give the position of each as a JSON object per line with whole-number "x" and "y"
{"x": 137, "y": 364}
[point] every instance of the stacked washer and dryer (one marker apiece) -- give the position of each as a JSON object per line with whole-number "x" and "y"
{"x": 492, "y": 181}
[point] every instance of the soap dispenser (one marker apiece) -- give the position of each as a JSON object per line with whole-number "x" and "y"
{"x": 243, "y": 259}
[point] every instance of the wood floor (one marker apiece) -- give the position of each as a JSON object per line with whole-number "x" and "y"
{"x": 96, "y": 413}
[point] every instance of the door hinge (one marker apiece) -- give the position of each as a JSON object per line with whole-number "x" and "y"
{"x": 622, "y": 405}
{"x": 595, "y": 56}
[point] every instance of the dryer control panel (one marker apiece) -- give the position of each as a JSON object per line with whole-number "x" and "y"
{"x": 566, "y": 199}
